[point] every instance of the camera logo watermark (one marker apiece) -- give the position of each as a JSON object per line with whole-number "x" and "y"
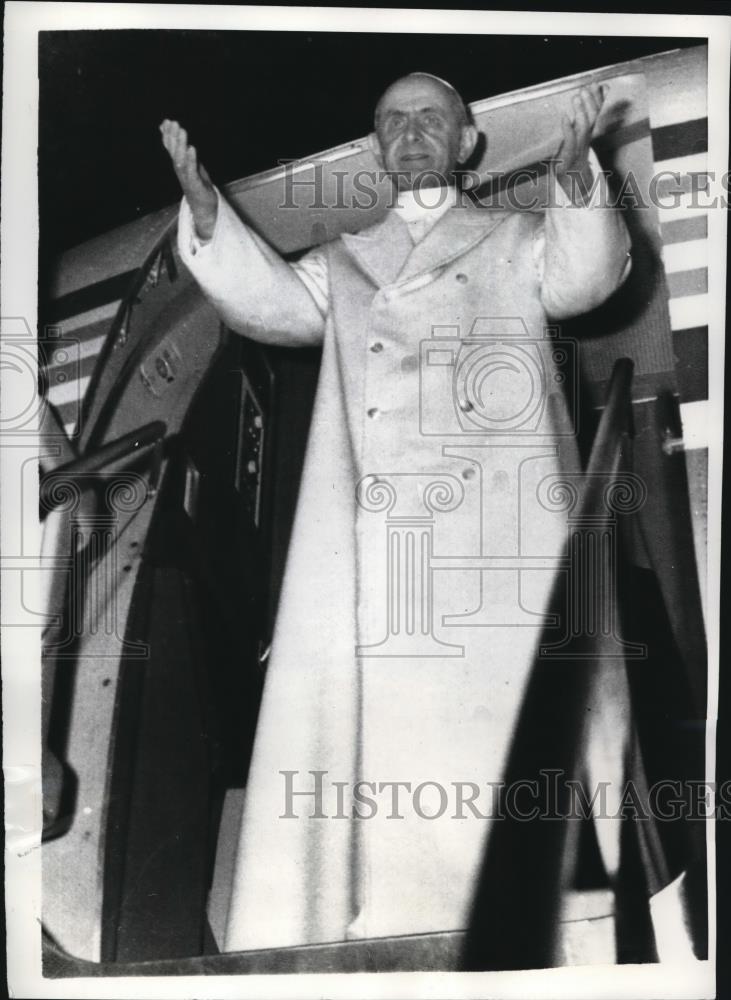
{"x": 499, "y": 400}
{"x": 492, "y": 378}
{"x": 78, "y": 572}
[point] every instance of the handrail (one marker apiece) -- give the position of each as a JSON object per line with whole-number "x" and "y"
{"x": 109, "y": 459}
{"x": 616, "y": 419}
{"x": 115, "y": 454}
{"x": 516, "y": 907}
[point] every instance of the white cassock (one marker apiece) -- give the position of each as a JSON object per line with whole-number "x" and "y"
{"x": 439, "y": 425}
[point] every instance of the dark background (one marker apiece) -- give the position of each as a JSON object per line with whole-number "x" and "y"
{"x": 248, "y": 100}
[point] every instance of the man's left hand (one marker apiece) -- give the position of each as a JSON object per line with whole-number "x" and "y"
{"x": 571, "y": 165}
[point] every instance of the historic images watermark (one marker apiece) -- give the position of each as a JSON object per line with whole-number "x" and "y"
{"x": 553, "y": 796}
{"x": 502, "y": 399}
{"x": 316, "y": 184}
{"x": 25, "y": 414}
{"x": 79, "y": 568}
{"x": 459, "y": 366}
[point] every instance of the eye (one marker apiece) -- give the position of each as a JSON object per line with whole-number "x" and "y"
{"x": 395, "y": 122}
{"x": 432, "y": 120}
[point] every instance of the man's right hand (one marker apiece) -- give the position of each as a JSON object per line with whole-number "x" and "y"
{"x": 193, "y": 176}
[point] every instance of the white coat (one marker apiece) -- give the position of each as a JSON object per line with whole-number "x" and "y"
{"x": 438, "y": 425}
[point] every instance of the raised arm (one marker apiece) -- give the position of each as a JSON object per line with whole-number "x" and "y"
{"x": 585, "y": 244}
{"x": 254, "y": 291}
{"x": 193, "y": 177}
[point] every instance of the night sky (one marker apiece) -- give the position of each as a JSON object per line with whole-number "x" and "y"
{"x": 248, "y": 99}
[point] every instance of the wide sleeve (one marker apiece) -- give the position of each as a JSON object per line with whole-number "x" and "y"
{"x": 253, "y": 290}
{"x": 582, "y": 252}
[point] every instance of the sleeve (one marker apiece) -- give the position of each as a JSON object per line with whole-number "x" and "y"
{"x": 255, "y": 292}
{"x": 582, "y": 252}
{"x": 313, "y": 271}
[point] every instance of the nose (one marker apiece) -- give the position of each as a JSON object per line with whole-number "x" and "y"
{"x": 413, "y": 130}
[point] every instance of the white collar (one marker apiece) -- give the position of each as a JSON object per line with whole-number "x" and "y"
{"x": 427, "y": 204}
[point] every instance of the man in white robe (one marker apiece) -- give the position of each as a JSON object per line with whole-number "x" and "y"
{"x": 395, "y": 663}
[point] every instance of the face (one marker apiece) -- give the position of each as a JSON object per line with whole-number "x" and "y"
{"x": 421, "y": 134}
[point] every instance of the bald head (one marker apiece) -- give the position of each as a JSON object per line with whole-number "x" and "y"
{"x": 447, "y": 90}
{"x": 423, "y": 131}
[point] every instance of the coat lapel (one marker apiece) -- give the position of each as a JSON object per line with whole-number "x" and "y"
{"x": 381, "y": 250}
{"x": 387, "y": 255}
{"x": 457, "y": 231}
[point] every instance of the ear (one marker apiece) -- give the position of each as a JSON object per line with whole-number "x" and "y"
{"x": 375, "y": 148}
{"x": 467, "y": 142}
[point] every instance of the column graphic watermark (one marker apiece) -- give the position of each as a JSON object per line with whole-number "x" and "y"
{"x": 504, "y": 401}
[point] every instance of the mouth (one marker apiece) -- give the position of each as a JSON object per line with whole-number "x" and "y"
{"x": 415, "y": 158}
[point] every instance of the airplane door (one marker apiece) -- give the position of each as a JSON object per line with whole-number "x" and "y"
{"x": 204, "y": 605}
